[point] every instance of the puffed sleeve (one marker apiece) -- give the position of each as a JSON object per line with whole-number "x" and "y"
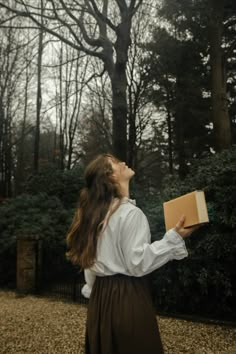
{"x": 90, "y": 279}
{"x": 142, "y": 257}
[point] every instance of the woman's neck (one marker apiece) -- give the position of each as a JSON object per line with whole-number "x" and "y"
{"x": 124, "y": 189}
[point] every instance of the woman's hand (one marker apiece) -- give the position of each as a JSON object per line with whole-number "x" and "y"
{"x": 184, "y": 232}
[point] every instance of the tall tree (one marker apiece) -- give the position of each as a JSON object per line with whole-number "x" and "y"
{"x": 98, "y": 30}
{"x": 139, "y": 107}
{"x": 191, "y": 88}
{"x": 218, "y": 58}
{"x": 11, "y": 69}
{"x": 211, "y": 22}
{"x": 70, "y": 76}
{"x": 39, "y": 91}
{"x": 24, "y": 128}
{"x": 179, "y": 95}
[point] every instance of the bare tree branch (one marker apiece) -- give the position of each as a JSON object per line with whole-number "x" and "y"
{"x": 68, "y": 26}
{"x": 19, "y": 27}
{"x": 90, "y": 41}
{"x": 102, "y": 16}
{"x": 64, "y": 63}
{"x": 80, "y": 47}
{"x": 8, "y": 19}
{"x": 138, "y": 5}
{"x": 93, "y": 42}
{"x": 25, "y": 13}
{"x": 122, "y": 5}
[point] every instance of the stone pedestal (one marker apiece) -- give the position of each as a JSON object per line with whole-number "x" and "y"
{"x": 29, "y": 262}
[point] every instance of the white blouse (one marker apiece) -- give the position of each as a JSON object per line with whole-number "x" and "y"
{"x": 125, "y": 246}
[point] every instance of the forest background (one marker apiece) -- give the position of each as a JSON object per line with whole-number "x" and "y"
{"x": 153, "y": 82}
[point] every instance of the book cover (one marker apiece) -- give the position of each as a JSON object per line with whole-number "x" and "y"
{"x": 192, "y": 205}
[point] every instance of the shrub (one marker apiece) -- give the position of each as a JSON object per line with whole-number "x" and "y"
{"x": 65, "y": 185}
{"x": 31, "y": 215}
{"x": 204, "y": 282}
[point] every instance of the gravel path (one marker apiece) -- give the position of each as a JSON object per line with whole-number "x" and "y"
{"x": 35, "y": 325}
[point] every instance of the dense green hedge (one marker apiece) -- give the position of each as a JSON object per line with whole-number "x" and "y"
{"x": 46, "y": 210}
{"x": 31, "y": 215}
{"x": 203, "y": 283}
{"x": 65, "y": 185}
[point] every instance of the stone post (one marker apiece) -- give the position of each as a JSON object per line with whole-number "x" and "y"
{"x": 29, "y": 264}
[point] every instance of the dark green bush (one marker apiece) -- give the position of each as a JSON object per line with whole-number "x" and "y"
{"x": 46, "y": 211}
{"x": 64, "y": 185}
{"x": 204, "y": 283}
{"x": 31, "y": 215}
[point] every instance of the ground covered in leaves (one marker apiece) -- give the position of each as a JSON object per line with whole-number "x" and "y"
{"x": 36, "y": 325}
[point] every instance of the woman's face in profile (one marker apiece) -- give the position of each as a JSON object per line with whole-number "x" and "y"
{"x": 121, "y": 171}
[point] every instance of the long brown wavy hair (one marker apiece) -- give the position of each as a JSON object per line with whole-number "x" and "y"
{"x": 94, "y": 202}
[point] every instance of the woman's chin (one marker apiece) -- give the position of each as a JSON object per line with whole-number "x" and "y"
{"x": 132, "y": 172}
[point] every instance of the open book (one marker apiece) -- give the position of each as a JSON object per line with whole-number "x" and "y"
{"x": 192, "y": 205}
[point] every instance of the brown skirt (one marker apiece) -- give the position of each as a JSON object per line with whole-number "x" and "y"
{"x": 121, "y": 317}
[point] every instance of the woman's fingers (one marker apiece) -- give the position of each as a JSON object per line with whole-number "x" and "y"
{"x": 179, "y": 227}
{"x": 180, "y": 223}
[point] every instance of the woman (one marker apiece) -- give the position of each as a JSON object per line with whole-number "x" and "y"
{"x": 110, "y": 238}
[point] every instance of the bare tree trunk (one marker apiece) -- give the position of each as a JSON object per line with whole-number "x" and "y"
{"x": 133, "y": 101}
{"x": 119, "y": 87}
{"x": 179, "y": 131}
{"x": 74, "y": 118}
{"x": 170, "y": 142}
{"x": 169, "y": 98}
{"x": 119, "y": 110}
{"x": 2, "y": 122}
{"x": 220, "y": 114}
{"x": 132, "y": 141}
{"x": 8, "y": 158}
{"x": 21, "y": 150}
{"x": 6, "y": 92}
{"x": 39, "y": 97}
{"x": 61, "y": 130}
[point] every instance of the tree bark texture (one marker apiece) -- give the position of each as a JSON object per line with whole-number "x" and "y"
{"x": 119, "y": 87}
{"x": 39, "y": 97}
{"x": 179, "y": 130}
{"x": 220, "y": 115}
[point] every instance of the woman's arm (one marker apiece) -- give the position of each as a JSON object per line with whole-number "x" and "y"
{"x": 142, "y": 257}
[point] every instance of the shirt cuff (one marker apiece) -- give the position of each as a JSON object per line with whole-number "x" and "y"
{"x": 179, "y": 250}
{"x": 86, "y": 291}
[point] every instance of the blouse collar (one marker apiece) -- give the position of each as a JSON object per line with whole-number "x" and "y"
{"x": 128, "y": 200}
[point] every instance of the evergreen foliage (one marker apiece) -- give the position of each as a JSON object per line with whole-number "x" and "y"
{"x": 65, "y": 185}
{"x": 38, "y": 215}
{"x": 45, "y": 211}
{"x": 177, "y": 70}
{"x": 203, "y": 283}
